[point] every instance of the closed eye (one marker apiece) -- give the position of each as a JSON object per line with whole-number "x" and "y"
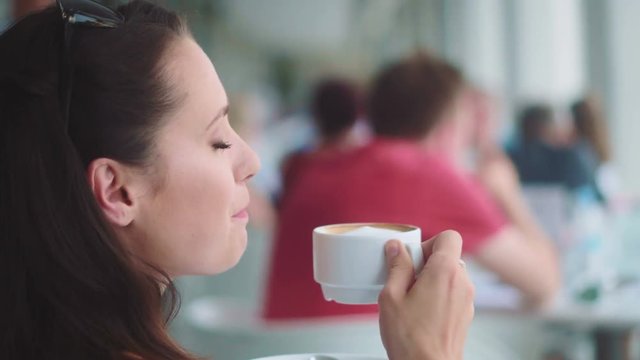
{"x": 221, "y": 145}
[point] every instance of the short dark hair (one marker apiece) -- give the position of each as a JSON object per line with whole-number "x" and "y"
{"x": 408, "y": 98}
{"x": 335, "y": 106}
{"x": 533, "y": 120}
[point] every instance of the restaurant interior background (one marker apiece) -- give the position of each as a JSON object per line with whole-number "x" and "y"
{"x": 270, "y": 53}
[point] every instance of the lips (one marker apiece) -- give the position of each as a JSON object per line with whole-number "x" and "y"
{"x": 242, "y": 214}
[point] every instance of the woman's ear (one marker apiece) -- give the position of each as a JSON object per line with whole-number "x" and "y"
{"x": 110, "y": 182}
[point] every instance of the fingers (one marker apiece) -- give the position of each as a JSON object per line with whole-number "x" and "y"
{"x": 436, "y": 308}
{"x": 427, "y": 248}
{"x": 443, "y": 266}
{"x": 463, "y": 293}
{"x": 447, "y": 248}
{"x": 462, "y": 300}
{"x": 448, "y": 242}
{"x": 400, "y": 270}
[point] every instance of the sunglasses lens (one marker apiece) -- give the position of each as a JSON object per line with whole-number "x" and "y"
{"x": 90, "y": 13}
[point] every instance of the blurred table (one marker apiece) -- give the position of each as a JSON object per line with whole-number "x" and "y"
{"x": 614, "y": 313}
{"x": 610, "y": 321}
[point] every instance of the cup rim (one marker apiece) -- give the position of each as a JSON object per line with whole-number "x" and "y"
{"x": 404, "y": 228}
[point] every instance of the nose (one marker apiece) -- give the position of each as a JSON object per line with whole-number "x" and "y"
{"x": 249, "y": 162}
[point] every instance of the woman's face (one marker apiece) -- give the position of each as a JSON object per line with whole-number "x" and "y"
{"x": 193, "y": 218}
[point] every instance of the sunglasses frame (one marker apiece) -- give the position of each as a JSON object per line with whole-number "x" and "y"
{"x": 84, "y": 13}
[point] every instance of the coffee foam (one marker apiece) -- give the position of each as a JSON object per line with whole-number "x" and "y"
{"x": 347, "y": 228}
{"x": 373, "y": 231}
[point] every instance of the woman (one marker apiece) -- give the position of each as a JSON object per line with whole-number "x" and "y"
{"x": 591, "y": 130}
{"x": 591, "y": 142}
{"x": 120, "y": 171}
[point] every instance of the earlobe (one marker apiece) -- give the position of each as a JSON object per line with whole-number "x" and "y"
{"x": 107, "y": 181}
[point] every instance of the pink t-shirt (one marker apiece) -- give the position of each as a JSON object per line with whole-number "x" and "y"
{"x": 385, "y": 181}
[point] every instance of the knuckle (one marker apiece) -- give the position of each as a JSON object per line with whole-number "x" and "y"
{"x": 450, "y": 275}
{"x": 471, "y": 290}
{"x": 438, "y": 260}
{"x": 386, "y": 297}
{"x": 470, "y": 293}
{"x": 444, "y": 266}
{"x": 450, "y": 266}
{"x": 399, "y": 265}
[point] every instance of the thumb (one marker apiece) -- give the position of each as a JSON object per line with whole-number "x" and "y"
{"x": 400, "y": 269}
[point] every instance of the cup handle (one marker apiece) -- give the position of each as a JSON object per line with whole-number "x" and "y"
{"x": 415, "y": 251}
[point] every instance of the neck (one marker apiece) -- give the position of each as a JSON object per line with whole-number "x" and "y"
{"x": 442, "y": 148}
{"x": 344, "y": 141}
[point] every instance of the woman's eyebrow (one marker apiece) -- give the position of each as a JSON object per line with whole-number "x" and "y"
{"x": 220, "y": 114}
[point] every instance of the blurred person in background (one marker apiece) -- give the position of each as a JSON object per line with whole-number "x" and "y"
{"x": 484, "y": 114}
{"x": 590, "y": 131}
{"x": 411, "y": 173}
{"x": 121, "y": 171}
{"x": 336, "y": 106}
{"x": 591, "y": 140}
{"x": 478, "y": 142}
{"x": 540, "y": 156}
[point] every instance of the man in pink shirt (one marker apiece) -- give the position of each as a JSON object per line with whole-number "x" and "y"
{"x": 411, "y": 173}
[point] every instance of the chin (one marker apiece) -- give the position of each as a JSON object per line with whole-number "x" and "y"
{"x": 240, "y": 246}
{"x": 237, "y": 247}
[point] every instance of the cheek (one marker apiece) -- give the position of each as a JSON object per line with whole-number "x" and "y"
{"x": 194, "y": 224}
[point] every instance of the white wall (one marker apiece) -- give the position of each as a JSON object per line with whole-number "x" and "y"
{"x": 475, "y": 39}
{"x": 485, "y": 53}
{"x": 284, "y": 24}
{"x": 548, "y": 50}
{"x": 624, "y": 88}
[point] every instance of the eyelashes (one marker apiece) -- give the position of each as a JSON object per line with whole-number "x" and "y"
{"x": 221, "y": 145}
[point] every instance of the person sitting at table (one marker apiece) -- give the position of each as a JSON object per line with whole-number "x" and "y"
{"x": 335, "y": 107}
{"x": 591, "y": 141}
{"x": 540, "y": 159}
{"x": 409, "y": 174}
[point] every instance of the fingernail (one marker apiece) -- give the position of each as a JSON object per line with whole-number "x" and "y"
{"x": 391, "y": 248}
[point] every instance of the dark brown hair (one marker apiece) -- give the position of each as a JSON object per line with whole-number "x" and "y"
{"x": 410, "y": 97}
{"x": 590, "y": 124}
{"x": 533, "y": 121}
{"x": 335, "y": 106}
{"x": 72, "y": 290}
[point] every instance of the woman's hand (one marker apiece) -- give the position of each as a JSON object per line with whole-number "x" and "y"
{"x": 426, "y": 317}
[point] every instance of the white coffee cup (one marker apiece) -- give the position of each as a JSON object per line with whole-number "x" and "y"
{"x": 349, "y": 261}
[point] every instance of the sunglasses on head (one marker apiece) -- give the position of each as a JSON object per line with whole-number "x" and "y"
{"x": 80, "y": 13}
